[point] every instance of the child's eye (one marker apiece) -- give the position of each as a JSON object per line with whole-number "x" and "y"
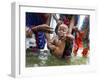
{"x": 64, "y": 30}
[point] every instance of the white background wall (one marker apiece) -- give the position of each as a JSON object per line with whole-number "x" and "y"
{"x": 5, "y": 40}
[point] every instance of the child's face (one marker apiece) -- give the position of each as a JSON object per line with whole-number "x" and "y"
{"x": 62, "y": 30}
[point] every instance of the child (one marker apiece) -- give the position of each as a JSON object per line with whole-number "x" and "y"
{"x": 59, "y": 44}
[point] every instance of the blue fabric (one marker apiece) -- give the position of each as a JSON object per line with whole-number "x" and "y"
{"x": 41, "y": 37}
{"x": 36, "y": 19}
{"x": 33, "y": 19}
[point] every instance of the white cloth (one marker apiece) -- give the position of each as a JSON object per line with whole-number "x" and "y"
{"x": 31, "y": 41}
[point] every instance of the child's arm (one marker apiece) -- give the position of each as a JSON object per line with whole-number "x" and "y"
{"x": 51, "y": 45}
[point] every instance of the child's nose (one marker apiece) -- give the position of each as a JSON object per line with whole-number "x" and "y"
{"x": 62, "y": 31}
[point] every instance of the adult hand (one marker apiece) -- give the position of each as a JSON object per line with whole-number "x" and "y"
{"x": 29, "y": 33}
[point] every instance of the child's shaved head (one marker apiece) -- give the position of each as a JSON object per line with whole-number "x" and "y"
{"x": 62, "y": 30}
